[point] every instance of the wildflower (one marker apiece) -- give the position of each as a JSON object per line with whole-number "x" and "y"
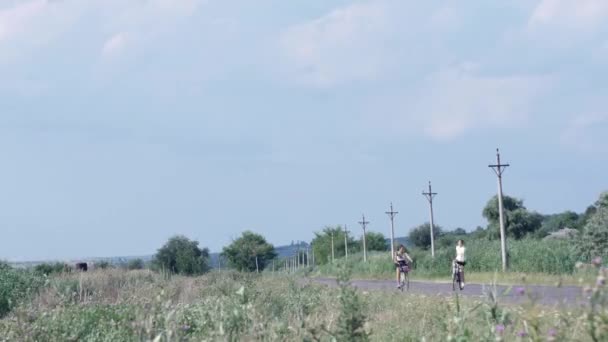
{"x": 579, "y": 265}
{"x": 601, "y": 281}
{"x": 185, "y": 327}
{"x": 500, "y": 329}
{"x": 522, "y": 333}
{"x": 597, "y": 261}
{"x": 520, "y": 291}
{"x": 552, "y": 334}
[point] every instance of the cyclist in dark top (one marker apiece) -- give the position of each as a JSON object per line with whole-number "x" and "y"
{"x": 401, "y": 258}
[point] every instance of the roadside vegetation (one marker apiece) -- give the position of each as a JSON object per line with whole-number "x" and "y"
{"x": 143, "y": 305}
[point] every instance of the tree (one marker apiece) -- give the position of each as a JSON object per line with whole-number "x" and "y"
{"x": 135, "y": 264}
{"x": 593, "y": 241}
{"x": 602, "y": 202}
{"x": 242, "y": 252}
{"x": 181, "y": 255}
{"x": 321, "y": 244}
{"x": 555, "y": 222}
{"x": 458, "y": 231}
{"x": 421, "y": 235}
{"x": 375, "y": 242}
{"x": 519, "y": 222}
{"x": 449, "y": 238}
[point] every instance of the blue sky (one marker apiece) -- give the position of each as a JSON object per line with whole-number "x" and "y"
{"x": 125, "y": 122}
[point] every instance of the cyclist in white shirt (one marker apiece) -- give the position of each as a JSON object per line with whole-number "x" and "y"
{"x": 460, "y": 256}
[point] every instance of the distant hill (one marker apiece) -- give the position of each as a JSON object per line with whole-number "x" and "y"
{"x": 282, "y": 252}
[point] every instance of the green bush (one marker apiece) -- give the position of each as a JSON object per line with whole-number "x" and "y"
{"x": 527, "y": 256}
{"x": 48, "y": 269}
{"x": 15, "y": 286}
{"x": 181, "y": 255}
{"x": 103, "y": 265}
{"x": 135, "y": 264}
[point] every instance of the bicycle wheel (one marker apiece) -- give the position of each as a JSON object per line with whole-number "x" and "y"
{"x": 460, "y": 277}
{"x": 407, "y": 281}
{"x": 402, "y": 278}
{"x": 454, "y": 281}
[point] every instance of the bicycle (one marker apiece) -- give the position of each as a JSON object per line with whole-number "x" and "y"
{"x": 404, "y": 278}
{"x": 457, "y": 275}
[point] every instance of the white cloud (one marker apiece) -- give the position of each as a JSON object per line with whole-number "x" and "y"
{"x": 579, "y": 14}
{"x": 115, "y": 45}
{"x": 37, "y": 23}
{"x": 15, "y": 20}
{"x": 343, "y": 45}
{"x": 453, "y": 101}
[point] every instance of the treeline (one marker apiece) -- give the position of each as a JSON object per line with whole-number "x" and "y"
{"x": 586, "y": 232}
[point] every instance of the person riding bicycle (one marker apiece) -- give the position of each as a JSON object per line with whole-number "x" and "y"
{"x": 461, "y": 259}
{"x": 401, "y": 260}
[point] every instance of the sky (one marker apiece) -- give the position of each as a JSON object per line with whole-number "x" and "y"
{"x": 123, "y": 123}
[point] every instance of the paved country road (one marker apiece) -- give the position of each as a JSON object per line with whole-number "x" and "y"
{"x": 547, "y": 295}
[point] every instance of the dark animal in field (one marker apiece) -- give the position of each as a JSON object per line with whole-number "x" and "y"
{"x": 82, "y": 266}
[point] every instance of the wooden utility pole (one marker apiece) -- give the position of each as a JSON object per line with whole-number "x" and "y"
{"x": 364, "y": 224}
{"x": 392, "y": 214}
{"x": 332, "y": 247}
{"x": 429, "y": 196}
{"x": 345, "y": 243}
{"x": 499, "y": 169}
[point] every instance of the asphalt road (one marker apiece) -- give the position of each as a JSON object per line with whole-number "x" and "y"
{"x": 516, "y": 294}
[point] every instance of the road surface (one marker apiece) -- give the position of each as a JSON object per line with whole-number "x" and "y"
{"x": 546, "y": 295}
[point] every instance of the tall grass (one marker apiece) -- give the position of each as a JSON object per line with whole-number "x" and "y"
{"x": 525, "y": 256}
{"x": 120, "y": 305}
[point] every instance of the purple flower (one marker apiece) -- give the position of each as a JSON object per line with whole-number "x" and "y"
{"x": 522, "y": 333}
{"x": 185, "y": 327}
{"x": 597, "y": 261}
{"x": 500, "y": 329}
{"x": 552, "y": 332}
{"x": 520, "y": 291}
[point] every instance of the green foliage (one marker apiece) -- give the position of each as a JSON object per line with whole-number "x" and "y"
{"x": 181, "y": 255}
{"x": 102, "y": 265}
{"x": 602, "y": 202}
{"x": 242, "y": 253}
{"x": 232, "y": 306}
{"x": 322, "y": 244}
{"x": 593, "y": 241}
{"x": 449, "y": 238}
{"x": 555, "y": 222}
{"x": 351, "y": 322}
{"x": 554, "y": 257}
{"x": 525, "y": 255}
{"x": 135, "y": 264}
{"x": 421, "y": 235}
{"x": 16, "y": 286}
{"x": 375, "y": 242}
{"x": 48, "y": 269}
{"x": 519, "y": 222}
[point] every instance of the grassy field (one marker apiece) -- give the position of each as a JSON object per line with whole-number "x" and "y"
{"x": 531, "y": 261}
{"x": 119, "y": 305}
{"x": 379, "y": 266}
